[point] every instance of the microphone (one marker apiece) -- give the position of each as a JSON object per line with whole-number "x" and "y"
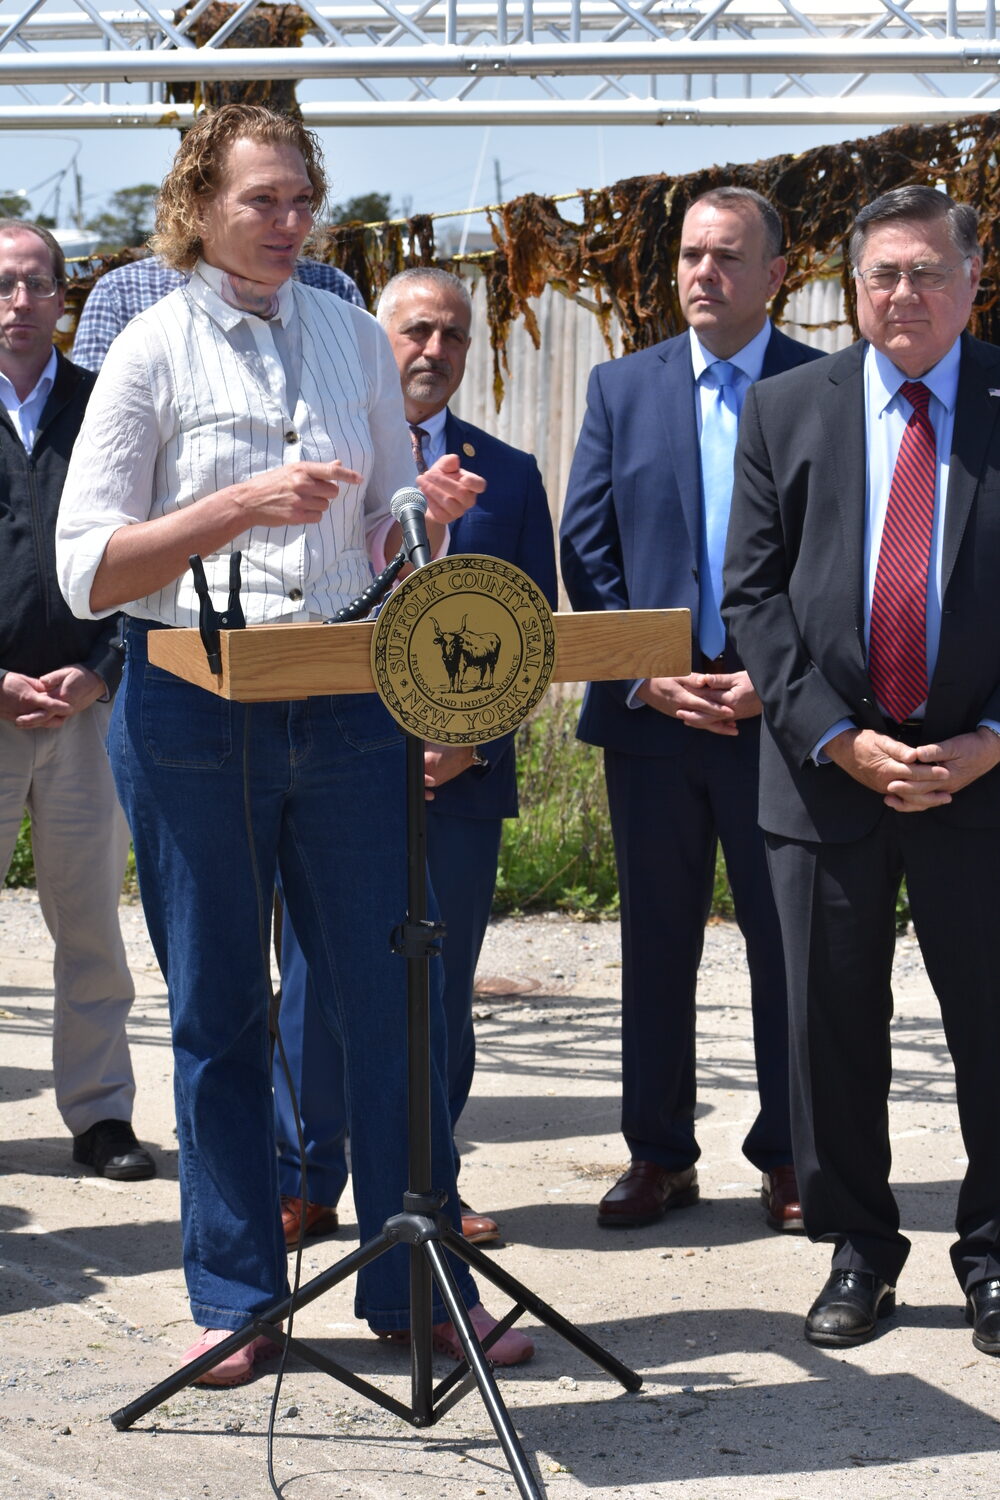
{"x": 408, "y": 506}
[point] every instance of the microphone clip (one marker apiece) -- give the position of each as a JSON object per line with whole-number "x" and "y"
{"x": 417, "y": 939}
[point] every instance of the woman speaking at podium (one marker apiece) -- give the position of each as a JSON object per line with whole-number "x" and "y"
{"x": 248, "y": 412}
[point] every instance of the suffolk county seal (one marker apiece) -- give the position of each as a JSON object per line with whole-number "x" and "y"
{"x": 463, "y": 650}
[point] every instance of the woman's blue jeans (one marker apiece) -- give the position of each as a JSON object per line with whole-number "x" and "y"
{"x": 462, "y": 865}
{"x": 219, "y": 796}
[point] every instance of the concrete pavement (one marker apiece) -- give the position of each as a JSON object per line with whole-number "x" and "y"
{"x": 708, "y": 1304}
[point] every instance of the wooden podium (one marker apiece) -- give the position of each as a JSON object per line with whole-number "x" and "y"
{"x": 268, "y": 663}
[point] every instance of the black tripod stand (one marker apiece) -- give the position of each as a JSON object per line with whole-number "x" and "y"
{"x": 421, "y": 1225}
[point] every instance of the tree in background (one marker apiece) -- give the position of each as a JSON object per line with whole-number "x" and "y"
{"x": 366, "y": 208}
{"x": 13, "y": 205}
{"x": 128, "y": 218}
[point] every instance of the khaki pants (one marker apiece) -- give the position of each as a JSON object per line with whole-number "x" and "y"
{"x": 80, "y": 841}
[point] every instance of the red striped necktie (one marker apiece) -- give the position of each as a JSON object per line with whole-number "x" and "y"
{"x": 897, "y": 650}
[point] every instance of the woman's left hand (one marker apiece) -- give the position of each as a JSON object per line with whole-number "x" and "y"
{"x": 449, "y": 489}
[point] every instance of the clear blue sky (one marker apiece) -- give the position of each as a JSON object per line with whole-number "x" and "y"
{"x": 434, "y": 168}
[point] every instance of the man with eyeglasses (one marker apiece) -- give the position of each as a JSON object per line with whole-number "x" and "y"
{"x": 862, "y": 576}
{"x": 121, "y": 294}
{"x": 57, "y": 675}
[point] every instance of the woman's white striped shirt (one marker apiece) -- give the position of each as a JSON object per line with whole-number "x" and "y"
{"x": 183, "y": 407}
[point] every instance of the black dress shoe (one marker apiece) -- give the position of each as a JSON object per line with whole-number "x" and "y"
{"x": 982, "y": 1310}
{"x": 847, "y": 1309}
{"x": 110, "y": 1147}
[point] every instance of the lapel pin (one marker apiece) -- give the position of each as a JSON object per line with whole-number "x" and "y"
{"x": 470, "y": 452}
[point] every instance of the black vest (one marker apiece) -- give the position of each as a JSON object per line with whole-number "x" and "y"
{"x": 38, "y": 633}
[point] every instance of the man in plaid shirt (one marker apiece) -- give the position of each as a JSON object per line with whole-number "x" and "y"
{"x": 119, "y": 295}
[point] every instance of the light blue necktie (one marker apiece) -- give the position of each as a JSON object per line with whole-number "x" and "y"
{"x": 720, "y": 420}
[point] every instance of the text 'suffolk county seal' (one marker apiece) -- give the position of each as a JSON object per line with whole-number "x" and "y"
{"x": 463, "y": 650}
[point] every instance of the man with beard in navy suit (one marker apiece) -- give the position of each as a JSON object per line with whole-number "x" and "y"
{"x": 427, "y": 315}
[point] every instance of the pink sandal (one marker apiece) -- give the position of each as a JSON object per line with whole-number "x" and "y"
{"x": 511, "y": 1348}
{"x": 235, "y": 1369}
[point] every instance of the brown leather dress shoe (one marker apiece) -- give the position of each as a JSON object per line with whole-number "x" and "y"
{"x": 779, "y": 1194}
{"x": 477, "y": 1228}
{"x": 645, "y": 1193}
{"x": 299, "y": 1220}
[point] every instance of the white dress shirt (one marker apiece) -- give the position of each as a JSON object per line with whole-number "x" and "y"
{"x": 26, "y": 414}
{"x": 887, "y": 413}
{"x": 190, "y": 400}
{"x": 749, "y": 361}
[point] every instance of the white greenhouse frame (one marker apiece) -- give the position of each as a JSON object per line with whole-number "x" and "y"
{"x": 71, "y": 64}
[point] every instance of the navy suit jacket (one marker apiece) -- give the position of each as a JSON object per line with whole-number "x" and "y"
{"x": 511, "y": 521}
{"x": 631, "y": 524}
{"x": 795, "y": 588}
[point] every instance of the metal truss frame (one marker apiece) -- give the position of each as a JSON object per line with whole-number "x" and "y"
{"x": 523, "y": 62}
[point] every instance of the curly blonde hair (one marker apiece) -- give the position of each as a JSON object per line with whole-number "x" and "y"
{"x": 197, "y": 173}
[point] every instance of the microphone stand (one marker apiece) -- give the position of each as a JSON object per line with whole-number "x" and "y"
{"x": 422, "y": 1225}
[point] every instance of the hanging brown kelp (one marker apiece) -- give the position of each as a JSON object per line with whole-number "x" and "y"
{"x": 373, "y": 253}
{"x": 265, "y": 26}
{"x": 625, "y": 247}
{"x": 617, "y": 255}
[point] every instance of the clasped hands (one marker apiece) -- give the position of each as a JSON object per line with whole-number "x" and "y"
{"x": 47, "y": 702}
{"x": 703, "y": 700}
{"x": 914, "y": 778}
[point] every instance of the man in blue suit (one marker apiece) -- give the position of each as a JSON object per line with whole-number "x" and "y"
{"x": 644, "y": 526}
{"x": 427, "y": 314}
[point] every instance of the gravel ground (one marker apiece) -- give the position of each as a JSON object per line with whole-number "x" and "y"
{"x": 707, "y": 1304}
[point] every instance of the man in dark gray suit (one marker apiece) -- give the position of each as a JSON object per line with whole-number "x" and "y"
{"x": 862, "y": 574}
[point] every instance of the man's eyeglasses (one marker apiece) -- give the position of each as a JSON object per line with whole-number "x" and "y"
{"x": 921, "y": 278}
{"x": 36, "y": 286}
